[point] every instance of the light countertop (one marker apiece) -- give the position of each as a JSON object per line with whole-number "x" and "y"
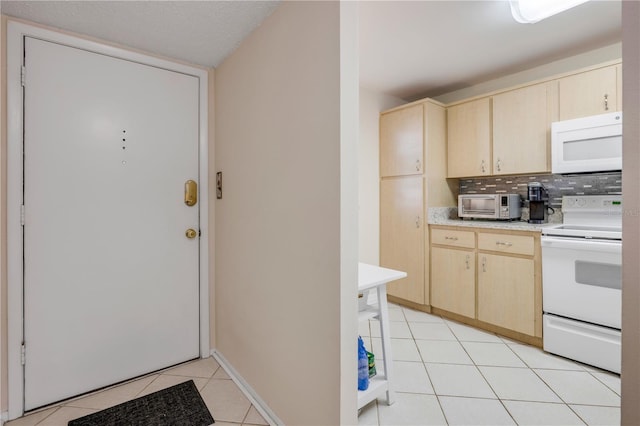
{"x": 448, "y": 216}
{"x": 492, "y": 224}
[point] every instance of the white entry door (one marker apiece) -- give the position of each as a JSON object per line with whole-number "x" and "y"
{"x": 110, "y": 277}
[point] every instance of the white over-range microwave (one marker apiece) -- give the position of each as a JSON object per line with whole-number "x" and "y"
{"x": 589, "y": 144}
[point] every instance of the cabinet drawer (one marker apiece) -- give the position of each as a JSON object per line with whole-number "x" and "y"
{"x": 505, "y": 243}
{"x": 453, "y": 238}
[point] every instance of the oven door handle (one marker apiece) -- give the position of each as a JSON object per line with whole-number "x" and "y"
{"x": 582, "y": 244}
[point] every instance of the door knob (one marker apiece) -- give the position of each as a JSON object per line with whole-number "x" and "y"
{"x": 191, "y": 233}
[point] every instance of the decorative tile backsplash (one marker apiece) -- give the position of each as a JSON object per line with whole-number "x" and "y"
{"x": 557, "y": 185}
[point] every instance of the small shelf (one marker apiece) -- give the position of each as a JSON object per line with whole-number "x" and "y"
{"x": 372, "y": 281}
{"x": 368, "y": 313}
{"x": 378, "y": 385}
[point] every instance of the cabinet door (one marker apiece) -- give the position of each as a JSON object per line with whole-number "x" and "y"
{"x": 521, "y": 122}
{"x": 453, "y": 280}
{"x": 469, "y": 139}
{"x": 588, "y": 93}
{"x": 402, "y": 235}
{"x": 506, "y": 292}
{"x": 401, "y": 136}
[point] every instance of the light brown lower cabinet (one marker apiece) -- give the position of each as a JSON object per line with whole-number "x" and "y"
{"x": 506, "y": 292}
{"x": 455, "y": 272}
{"x": 488, "y": 278}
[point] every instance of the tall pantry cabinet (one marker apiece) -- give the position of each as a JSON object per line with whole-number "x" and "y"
{"x": 412, "y": 179}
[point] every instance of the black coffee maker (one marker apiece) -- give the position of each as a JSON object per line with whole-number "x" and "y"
{"x": 538, "y": 202}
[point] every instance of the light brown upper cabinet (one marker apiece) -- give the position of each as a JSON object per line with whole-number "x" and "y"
{"x": 406, "y": 199}
{"x": 469, "y": 139}
{"x": 521, "y": 122}
{"x": 402, "y": 235}
{"x": 401, "y": 142}
{"x": 589, "y": 93}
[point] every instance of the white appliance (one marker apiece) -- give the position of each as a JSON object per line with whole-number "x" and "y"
{"x": 582, "y": 281}
{"x": 589, "y": 144}
{"x": 489, "y": 206}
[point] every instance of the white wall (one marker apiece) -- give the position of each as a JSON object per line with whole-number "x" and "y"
{"x": 349, "y": 92}
{"x": 285, "y": 320}
{"x": 371, "y": 104}
{"x": 631, "y": 214}
{"x": 571, "y": 63}
{"x": 4, "y": 366}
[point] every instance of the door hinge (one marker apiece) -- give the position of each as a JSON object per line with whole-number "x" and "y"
{"x": 23, "y": 356}
{"x": 23, "y": 71}
{"x": 22, "y": 215}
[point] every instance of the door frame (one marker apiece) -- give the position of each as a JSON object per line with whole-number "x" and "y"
{"x": 16, "y": 31}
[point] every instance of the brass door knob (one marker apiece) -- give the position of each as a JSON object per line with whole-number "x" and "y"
{"x": 191, "y": 233}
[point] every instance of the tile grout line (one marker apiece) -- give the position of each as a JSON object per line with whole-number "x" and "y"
{"x": 46, "y": 417}
{"x": 598, "y": 379}
{"x": 553, "y": 390}
{"x": 568, "y": 403}
{"x": 483, "y": 377}
{"x": 526, "y": 366}
{"x": 424, "y": 365}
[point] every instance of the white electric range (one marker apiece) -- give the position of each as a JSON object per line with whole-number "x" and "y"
{"x": 582, "y": 281}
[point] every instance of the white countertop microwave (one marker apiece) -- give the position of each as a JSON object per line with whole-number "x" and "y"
{"x": 588, "y": 144}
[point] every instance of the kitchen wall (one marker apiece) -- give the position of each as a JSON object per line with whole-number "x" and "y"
{"x": 557, "y": 185}
{"x": 371, "y": 104}
{"x": 571, "y": 63}
{"x": 286, "y": 239}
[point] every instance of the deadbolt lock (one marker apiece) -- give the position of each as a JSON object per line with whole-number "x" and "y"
{"x": 191, "y": 233}
{"x": 190, "y": 193}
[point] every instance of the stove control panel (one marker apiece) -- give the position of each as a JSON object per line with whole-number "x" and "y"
{"x": 592, "y": 203}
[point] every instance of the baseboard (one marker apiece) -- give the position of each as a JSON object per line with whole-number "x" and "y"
{"x": 4, "y": 417}
{"x": 248, "y": 391}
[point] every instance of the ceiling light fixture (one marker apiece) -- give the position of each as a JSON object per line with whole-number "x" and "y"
{"x": 532, "y": 11}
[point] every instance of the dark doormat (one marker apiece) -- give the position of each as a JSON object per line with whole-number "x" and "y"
{"x": 179, "y": 405}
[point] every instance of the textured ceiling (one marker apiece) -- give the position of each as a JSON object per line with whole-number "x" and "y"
{"x": 199, "y": 32}
{"x": 426, "y": 48}
{"x": 409, "y": 49}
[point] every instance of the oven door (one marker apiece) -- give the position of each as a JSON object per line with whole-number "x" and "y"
{"x": 582, "y": 279}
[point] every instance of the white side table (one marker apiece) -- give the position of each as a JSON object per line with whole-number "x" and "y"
{"x": 374, "y": 277}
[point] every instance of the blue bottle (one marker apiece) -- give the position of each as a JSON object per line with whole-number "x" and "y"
{"x": 363, "y": 366}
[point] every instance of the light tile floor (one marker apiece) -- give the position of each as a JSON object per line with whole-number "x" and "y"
{"x": 227, "y": 403}
{"x": 449, "y": 373}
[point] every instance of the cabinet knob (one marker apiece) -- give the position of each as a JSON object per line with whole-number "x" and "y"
{"x": 467, "y": 261}
{"x": 417, "y": 221}
{"x": 504, "y": 243}
{"x": 418, "y": 165}
{"x": 482, "y": 167}
{"x": 498, "y": 163}
{"x": 451, "y": 238}
{"x": 606, "y": 102}
{"x": 484, "y": 264}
